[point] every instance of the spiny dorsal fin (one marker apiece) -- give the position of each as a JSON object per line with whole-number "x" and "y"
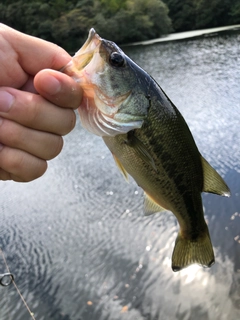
{"x": 212, "y": 182}
{"x": 150, "y": 206}
{"x": 121, "y": 167}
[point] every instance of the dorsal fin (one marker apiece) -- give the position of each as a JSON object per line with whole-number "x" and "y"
{"x": 121, "y": 167}
{"x": 212, "y": 181}
{"x": 150, "y": 206}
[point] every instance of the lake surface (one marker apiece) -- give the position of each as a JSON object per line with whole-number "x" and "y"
{"x": 76, "y": 239}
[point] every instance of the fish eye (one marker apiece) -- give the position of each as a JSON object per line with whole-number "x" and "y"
{"x": 116, "y": 59}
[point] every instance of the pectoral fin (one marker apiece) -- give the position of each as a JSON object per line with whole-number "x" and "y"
{"x": 212, "y": 182}
{"x": 140, "y": 149}
{"x": 150, "y": 206}
{"x": 121, "y": 167}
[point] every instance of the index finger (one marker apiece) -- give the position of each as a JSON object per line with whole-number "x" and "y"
{"x": 34, "y": 54}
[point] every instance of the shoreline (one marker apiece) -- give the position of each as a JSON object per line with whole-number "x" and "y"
{"x": 185, "y": 35}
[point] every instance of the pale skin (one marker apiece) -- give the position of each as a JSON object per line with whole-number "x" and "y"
{"x": 37, "y": 104}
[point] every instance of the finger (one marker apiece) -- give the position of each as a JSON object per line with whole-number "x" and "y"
{"x": 20, "y": 166}
{"x": 38, "y": 143}
{"x": 29, "y": 86}
{"x": 4, "y": 175}
{"x": 58, "y": 88}
{"x": 33, "y": 111}
{"x": 34, "y": 54}
{"x": 23, "y": 56}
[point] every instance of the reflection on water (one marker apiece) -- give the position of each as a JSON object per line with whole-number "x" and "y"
{"x": 76, "y": 239}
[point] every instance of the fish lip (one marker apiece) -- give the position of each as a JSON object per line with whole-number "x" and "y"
{"x": 84, "y": 55}
{"x": 93, "y": 34}
{"x": 93, "y": 38}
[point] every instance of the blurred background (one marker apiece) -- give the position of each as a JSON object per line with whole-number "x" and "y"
{"x": 123, "y": 21}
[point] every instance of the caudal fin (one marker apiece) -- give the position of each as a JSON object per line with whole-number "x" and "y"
{"x": 187, "y": 252}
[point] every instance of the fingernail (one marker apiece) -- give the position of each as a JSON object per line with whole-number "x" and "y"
{"x": 52, "y": 85}
{"x": 6, "y": 101}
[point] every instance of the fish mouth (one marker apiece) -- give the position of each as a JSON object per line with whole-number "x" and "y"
{"x": 84, "y": 55}
{"x": 92, "y": 37}
{"x": 99, "y": 109}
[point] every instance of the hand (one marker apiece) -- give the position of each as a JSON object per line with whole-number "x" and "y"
{"x": 36, "y": 105}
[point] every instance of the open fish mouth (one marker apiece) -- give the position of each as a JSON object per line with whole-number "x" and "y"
{"x": 84, "y": 55}
{"x": 100, "y": 110}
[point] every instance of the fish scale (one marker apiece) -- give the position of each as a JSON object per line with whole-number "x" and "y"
{"x": 149, "y": 140}
{"x": 168, "y": 163}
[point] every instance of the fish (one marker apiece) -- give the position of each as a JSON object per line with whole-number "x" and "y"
{"x": 149, "y": 140}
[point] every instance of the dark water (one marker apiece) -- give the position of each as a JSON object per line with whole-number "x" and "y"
{"x": 76, "y": 239}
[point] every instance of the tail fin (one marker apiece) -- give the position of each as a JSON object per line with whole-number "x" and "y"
{"x": 187, "y": 252}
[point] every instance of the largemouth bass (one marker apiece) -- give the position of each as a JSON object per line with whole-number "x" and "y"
{"x": 149, "y": 140}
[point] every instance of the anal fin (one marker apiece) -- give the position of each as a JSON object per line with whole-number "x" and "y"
{"x": 150, "y": 206}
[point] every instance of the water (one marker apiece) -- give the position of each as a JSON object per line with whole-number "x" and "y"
{"x": 76, "y": 239}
